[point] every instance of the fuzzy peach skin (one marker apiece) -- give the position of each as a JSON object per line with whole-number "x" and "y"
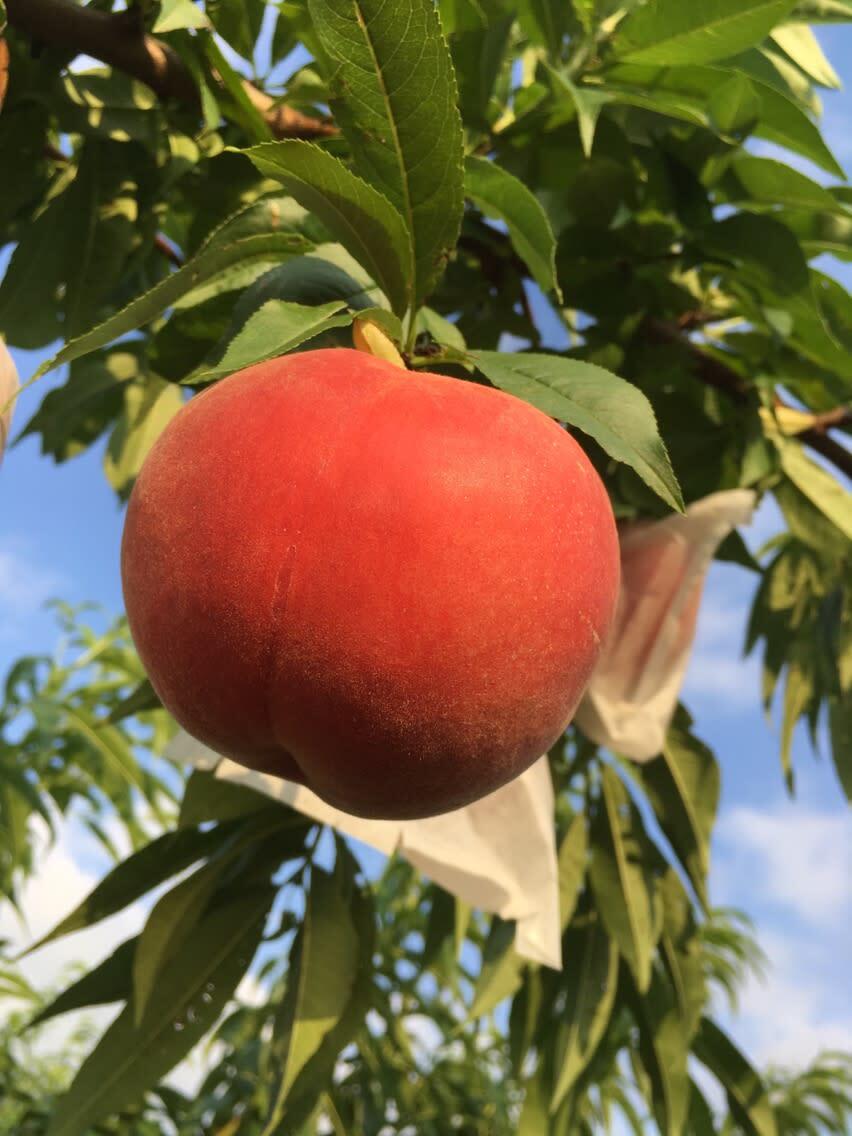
{"x": 390, "y": 586}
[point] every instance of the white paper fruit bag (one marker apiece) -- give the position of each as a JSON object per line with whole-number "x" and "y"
{"x": 634, "y": 689}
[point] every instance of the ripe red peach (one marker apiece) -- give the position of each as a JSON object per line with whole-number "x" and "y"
{"x": 391, "y": 586}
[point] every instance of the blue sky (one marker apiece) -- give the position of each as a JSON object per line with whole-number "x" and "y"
{"x": 788, "y": 864}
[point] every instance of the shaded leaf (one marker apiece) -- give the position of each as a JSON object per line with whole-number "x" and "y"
{"x": 572, "y": 860}
{"x": 193, "y": 990}
{"x": 110, "y": 981}
{"x": 138, "y": 874}
{"x": 501, "y": 972}
{"x": 362, "y": 219}
{"x": 683, "y": 786}
{"x": 208, "y": 263}
{"x": 591, "y": 978}
{"x": 623, "y": 885}
{"x": 747, "y": 1097}
{"x": 324, "y": 963}
{"x": 663, "y": 1049}
{"x": 274, "y": 329}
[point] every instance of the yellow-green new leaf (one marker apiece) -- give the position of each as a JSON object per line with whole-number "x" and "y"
{"x": 821, "y": 489}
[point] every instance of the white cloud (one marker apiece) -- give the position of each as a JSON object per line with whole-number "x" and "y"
{"x": 24, "y": 585}
{"x": 799, "y": 1011}
{"x": 790, "y": 866}
{"x": 800, "y": 860}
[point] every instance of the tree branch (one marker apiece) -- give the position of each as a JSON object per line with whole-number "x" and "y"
{"x": 714, "y": 373}
{"x": 117, "y": 41}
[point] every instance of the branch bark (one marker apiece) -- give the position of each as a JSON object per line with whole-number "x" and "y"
{"x": 118, "y": 41}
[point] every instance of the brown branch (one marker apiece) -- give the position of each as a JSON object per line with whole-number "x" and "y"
{"x": 829, "y": 448}
{"x": 713, "y": 372}
{"x": 116, "y": 40}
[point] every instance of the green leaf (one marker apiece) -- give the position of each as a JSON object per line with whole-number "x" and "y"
{"x": 798, "y": 692}
{"x": 103, "y": 200}
{"x": 103, "y": 741}
{"x": 479, "y": 57}
{"x": 239, "y": 106}
{"x": 462, "y": 913}
{"x": 207, "y": 797}
{"x": 138, "y": 874}
{"x": 820, "y": 488}
{"x": 683, "y": 953}
{"x": 323, "y": 967}
{"x": 801, "y": 45}
{"x": 502, "y": 969}
{"x": 139, "y": 701}
{"x": 168, "y": 925}
{"x": 329, "y": 273}
{"x": 500, "y": 196}
{"x": 683, "y": 787}
{"x": 624, "y": 887}
{"x": 734, "y": 107}
{"x": 785, "y": 123}
{"x": 74, "y": 415}
{"x": 394, "y": 94}
{"x": 534, "y": 1119}
{"x": 590, "y": 983}
{"x": 440, "y": 924}
{"x": 588, "y": 103}
{"x": 362, "y": 219}
{"x": 663, "y": 1049}
{"x": 319, "y": 1070}
{"x": 148, "y": 408}
{"x": 176, "y": 14}
{"x": 773, "y": 183}
{"x": 190, "y": 995}
{"x": 615, "y": 413}
{"x": 572, "y": 861}
{"x": 747, "y": 1098}
{"x": 274, "y": 329}
{"x": 544, "y": 21}
{"x": 762, "y": 245}
{"x": 840, "y": 727}
{"x": 208, "y": 263}
{"x": 687, "y": 92}
{"x": 110, "y": 981}
{"x": 668, "y": 32}
{"x": 238, "y": 22}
